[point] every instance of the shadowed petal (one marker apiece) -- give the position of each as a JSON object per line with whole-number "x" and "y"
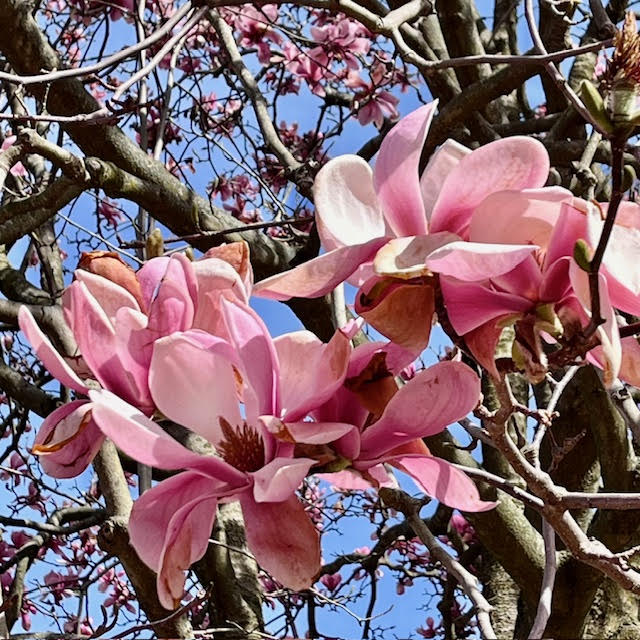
{"x": 68, "y": 440}
{"x": 483, "y": 342}
{"x": 401, "y": 312}
{"x": 433, "y": 399}
{"x": 443, "y": 481}
{"x": 291, "y": 555}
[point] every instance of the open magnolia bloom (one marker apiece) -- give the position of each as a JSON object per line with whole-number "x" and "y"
{"x": 392, "y": 421}
{"x": 250, "y": 406}
{"x": 377, "y": 225}
{"x": 115, "y": 315}
{"x": 547, "y": 293}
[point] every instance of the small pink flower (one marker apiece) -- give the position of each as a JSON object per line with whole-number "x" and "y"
{"x": 112, "y": 214}
{"x": 331, "y": 581}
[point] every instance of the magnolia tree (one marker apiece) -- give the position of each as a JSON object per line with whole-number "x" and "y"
{"x": 445, "y": 446}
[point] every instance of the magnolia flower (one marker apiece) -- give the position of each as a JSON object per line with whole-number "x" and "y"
{"x": 547, "y": 293}
{"x": 198, "y": 380}
{"x": 391, "y": 422}
{"x": 116, "y": 315}
{"x": 377, "y": 225}
{"x": 501, "y": 243}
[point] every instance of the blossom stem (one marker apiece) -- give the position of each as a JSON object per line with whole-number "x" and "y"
{"x": 617, "y": 168}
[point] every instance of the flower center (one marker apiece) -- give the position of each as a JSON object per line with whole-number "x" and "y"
{"x": 241, "y": 447}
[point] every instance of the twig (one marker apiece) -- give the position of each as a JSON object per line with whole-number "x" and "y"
{"x": 410, "y": 507}
{"x": 627, "y": 407}
{"x": 617, "y": 168}
{"x": 542, "y": 426}
{"x": 221, "y": 234}
{"x": 555, "y": 73}
{"x": 548, "y": 581}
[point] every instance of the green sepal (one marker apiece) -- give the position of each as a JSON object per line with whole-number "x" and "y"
{"x": 582, "y": 255}
{"x": 337, "y": 464}
{"x": 595, "y": 105}
{"x": 628, "y": 177}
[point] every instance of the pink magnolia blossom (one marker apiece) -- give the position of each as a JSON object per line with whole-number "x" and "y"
{"x": 365, "y": 219}
{"x": 115, "y": 316}
{"x": 197, "y": 379}
{"x": 501, "y": 242}
{"x": 545, "y": 294}
{"x": 391, "y": 423}
{"x": 110, "y": 212}
{"x": 380, "y": 104}
{"x": 255, "y": 28}
{"x": 342, "y": 41}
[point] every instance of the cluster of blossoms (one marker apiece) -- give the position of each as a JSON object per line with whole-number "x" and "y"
{"x": 178, "y": 341}
{"x": 482, "y": 227}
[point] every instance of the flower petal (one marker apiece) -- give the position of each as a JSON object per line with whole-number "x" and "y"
{"x": 405, "y": 257}
{"x": 155, "y": 508}
{"x": 401, "y": 312}
{"x": 325, "y": 366}
{"x": 519, "y": 217}
{"x": 318, "y": 432}
{"x": 279, "y": 479}
{"x": 483, "y": 342}
{"x": 440, "y": 479}
{"x": 186, "y": 540}
{"x": 608, "y": 332}
{"x": 146, "y": 442}
{"x": 193, "y": 382}
{"x": 511, "y": 163}
{"x": 254, "y": 346}
{"x": 176, "y": 269}
{"x": 347, "y": 208}
{"x": 433, "y": 399}
{"x": 477, "y": 261}
{"x": 440, "y": 165}
{"x": 68, "y": 440}
{"x": 109, "y": 295}
{"x": 46, "y": 352}
{"x": 470, "y": 305}
{"x": 396, "y": 176}
{"x": 630, "y": 366}
{"x": 292, "y": 558}
{"x": 320, "y": 275}
{"x": 622, "y": 249}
